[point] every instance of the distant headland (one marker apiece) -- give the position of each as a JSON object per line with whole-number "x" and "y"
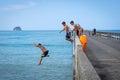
{"x": 17, "y": 28}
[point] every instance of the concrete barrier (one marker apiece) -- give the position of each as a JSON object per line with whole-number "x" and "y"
{"x": 82, "y": 68}
{"x": 107, "y": 35}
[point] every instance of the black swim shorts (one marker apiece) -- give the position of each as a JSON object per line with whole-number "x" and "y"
{"x": 45, "y": 54}
{"x": 68, "y": 35}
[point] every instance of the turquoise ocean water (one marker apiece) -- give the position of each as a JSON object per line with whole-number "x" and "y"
{"x": 18, "y": 58}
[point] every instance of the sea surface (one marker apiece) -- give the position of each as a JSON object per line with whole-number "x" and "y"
{"x": 19, "y": 59}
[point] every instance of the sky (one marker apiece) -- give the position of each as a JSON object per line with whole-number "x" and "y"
{"x": 48, "y": 14}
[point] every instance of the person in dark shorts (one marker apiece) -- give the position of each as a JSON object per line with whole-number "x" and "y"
{"x": 45, "y": 54}
{"x": 68, "y": 33}
{"x": 43, "y": 49}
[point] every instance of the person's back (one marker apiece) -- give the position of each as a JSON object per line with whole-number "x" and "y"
{"x": 83, "y": 40}
{"x": 75, "y": 27}
{"x": 42, "y": 48}
{"x": 80, "y": 29}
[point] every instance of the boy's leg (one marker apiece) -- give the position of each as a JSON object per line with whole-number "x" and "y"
{"x": 40, "y": 60}
{"x": 68, "y": 37}
{"x": 69, "y": 40}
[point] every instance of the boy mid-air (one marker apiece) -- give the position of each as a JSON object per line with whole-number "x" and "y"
{"x": 68, "y": 33}
{"x": 43, "y": 49}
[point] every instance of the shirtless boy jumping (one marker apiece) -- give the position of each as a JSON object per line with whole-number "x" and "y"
{"x": 68, "y": 33}
{"x": 44, "y": 50}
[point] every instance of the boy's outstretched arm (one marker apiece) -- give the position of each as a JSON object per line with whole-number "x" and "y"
{"x": 61, "y": 30}
{"x": 34, "y": 45}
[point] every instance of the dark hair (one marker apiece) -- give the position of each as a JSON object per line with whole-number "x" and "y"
{"x": 63, "y": 22}
{"x": 71, "y": 21}
{"x": 39, "y": 44}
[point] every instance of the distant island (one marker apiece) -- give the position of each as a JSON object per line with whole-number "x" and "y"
{"x": 17, "y": 28}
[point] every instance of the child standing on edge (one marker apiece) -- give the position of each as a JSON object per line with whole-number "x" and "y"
{"x": 79, "y": 30}
{"x": 43, "y": 49}
{"x": 68, "y": 33}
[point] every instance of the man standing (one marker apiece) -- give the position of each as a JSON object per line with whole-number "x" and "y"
{"x": 94, "y": 31}
{"x": 68, "y": 33}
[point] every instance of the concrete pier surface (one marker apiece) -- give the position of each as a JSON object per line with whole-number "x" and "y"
{"x": 104, "y": 54}
{"x": 82, "y": 67}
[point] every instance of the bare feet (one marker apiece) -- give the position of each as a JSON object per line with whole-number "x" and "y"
{"x": 71, "y": 41}
{"x": 39, "y": 64}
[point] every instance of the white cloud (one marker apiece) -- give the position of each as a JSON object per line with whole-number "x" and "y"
{"x": 18, "y": 6}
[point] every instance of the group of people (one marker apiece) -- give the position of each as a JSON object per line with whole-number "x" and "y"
{"x": 79, "y": 32}
{"x": 77, "y": 28}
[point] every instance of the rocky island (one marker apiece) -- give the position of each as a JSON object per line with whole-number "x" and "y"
{"x": 17, "y": 28}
